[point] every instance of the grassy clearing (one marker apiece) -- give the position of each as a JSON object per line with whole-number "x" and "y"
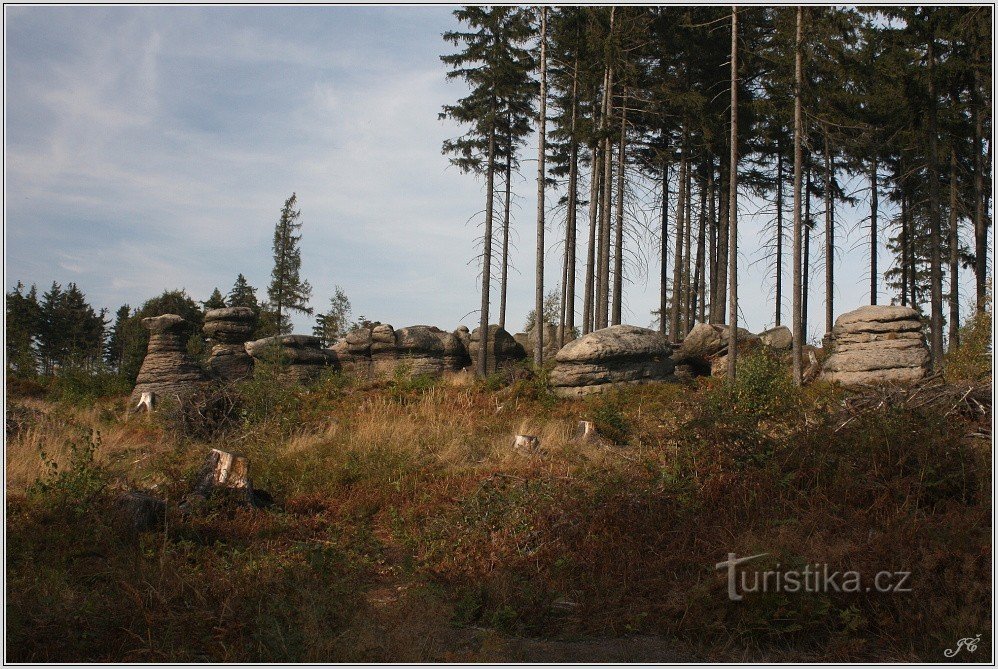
{"x": 406, "y": 528}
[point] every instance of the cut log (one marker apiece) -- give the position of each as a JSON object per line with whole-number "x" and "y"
{"x": 141, "y": 512}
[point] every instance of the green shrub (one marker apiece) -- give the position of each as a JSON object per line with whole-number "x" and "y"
{"x": 971, "y": 359}
{"x": 76, "y": 486}
{"x": 609, "y": 418}
{"x": 80, "y": 386}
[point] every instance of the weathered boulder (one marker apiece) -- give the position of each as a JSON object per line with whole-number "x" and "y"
{"x": 167, "y": 371}
{"x": 299, "y": 357}
{"x": 877, "y": 344}
{"x": 502, "y": 351}
{"x": 378, "y": 350}
{"x": 527, "y": 341}
{"x": 621, "y": 354}
{"x": 230, "y": 328}
{"x": 706, "y": 343}
{"x": 779, "y": 338}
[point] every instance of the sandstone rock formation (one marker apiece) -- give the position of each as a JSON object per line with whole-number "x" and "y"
{"x": 621, "y": 354}
{"x": 707, "y": 344}
{"x": 779, "y": 338}
{"x": 300, "y": 357}
{"x": 230, "y": 328}
{"x": 876, "y": 344}
{"x": 502, "y": 350}
{"x": 167, "y": 370}
{"x": 381, "y": 351}
{"x": 527, "y": 341}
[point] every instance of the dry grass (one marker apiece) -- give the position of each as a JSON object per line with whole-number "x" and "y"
{"x": 406, "y": 524}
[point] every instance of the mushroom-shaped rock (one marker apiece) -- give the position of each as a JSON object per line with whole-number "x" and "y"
{"x": 167, "y": 371}
{"x": 877, "y": 344}
{"x": 621, "y": 354}
{"x": 229, "y": 328}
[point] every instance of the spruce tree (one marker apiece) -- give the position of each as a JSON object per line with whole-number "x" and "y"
{"x": 287, "y": 290}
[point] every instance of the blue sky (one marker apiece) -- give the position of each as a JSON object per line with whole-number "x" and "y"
{"x": 152, "y": 148}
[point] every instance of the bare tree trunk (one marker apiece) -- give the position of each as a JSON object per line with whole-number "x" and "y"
{"x": 980, "y": 223}
{"x": 483, "y": 322}
{"x": 663, "y": 286}
{"x": 618, "y": 261}
{"x": 954, "y": 256}
{"x": 712, "y": 236}
{"x": 700, "y": 279}
{"x": 594, "y": 190}
{"x": 904, "y": 252}
{"x": 542, "y": 136}
{"x": 806, "y": 262}
{"x": 935, "y": 220}
{"x": 779, "y": 231}
{"x": 829, "y": 240}
{"x": 733, "y": 205}
{"x": 677, "y": 264}
{"x": 687, "y": 251}
{"x": 603, "y": 291}
{"x": 571, "y": 232}
{"x": 721, "y": 291}
{"x": 798, "y": 333}
{"x": 874, "y": 204}
{"x": 505, "y": 238}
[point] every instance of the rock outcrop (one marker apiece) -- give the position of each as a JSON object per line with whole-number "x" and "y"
{"x": 527, "y": 341}
{"x": 381, "y": 351}
{"x": 617, "y": 355}
{"x": 299, "y": 357}
{"x": 877, "y": 344}
{"x": 167, "y": 371}
{"x": 229, "y": 329}
{"x": 502, "y": 350}
{"x": 706, "y": 345}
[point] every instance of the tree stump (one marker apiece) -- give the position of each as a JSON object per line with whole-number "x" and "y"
{"x": 223, "y": 471}
{"x": 141, "y": 512}
{"x": 526, "y": 443}
{"x": 146, "y": 400}
{"x": 585, "y": 430}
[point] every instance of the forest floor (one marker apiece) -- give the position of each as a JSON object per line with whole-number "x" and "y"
{"x": 405, "y": 527}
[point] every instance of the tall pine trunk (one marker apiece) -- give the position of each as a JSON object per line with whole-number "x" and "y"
{"x": 711, "y": 267}
{"x": 700, "y": 280}
{"x": 954, "y": 256}
{"x": 677, "y": 261}
{"x": 980, "y": 223}
{"x": 806, "y": 260}
{"x": 798, "y": 278}
{"x": 874, "y": 204}
{"x": 935, "y": 221}
{"x": 904, "y": 250}
{"x": 567, "y": 322}
{"x": 779, "y": 231}
{"x": 663, "y": 284}
{"x": 541, "y": 151}
{"x": 687, "y": 252}
{"x": 829, "y": 239}
{"x": 618, "y": 259}
{"x": 733, "y": 205}
{"x": 721, "y": 290}
{"x": 505, "y": 237}
{"x": 483, "y": 322}
{"x": 594, "y": 194}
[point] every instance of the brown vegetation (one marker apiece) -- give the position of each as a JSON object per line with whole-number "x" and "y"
{"x": 407, "y": 528}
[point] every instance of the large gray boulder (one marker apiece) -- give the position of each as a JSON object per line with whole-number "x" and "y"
{"x": 613, "y": 356}
{"x": 779, "y": 338}
{"x": 877, "y": 344}
{"x": 229, "y": 329}
{"x": 299, "y": 357}
{"x": 167, "y": 371}
{"x": 502, "y": 350}
{"x": 707, "y": 343}
{"x": 527, "y": 340}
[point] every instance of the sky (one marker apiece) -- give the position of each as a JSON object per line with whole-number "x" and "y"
{"x": 152, "y": 148}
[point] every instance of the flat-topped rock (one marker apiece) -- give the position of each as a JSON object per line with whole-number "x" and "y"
{"x": 300, "y": 357}
{"x": 613, "y": 356}
{"x": 502, "y": 350}
{"x": 877, "y": 344}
